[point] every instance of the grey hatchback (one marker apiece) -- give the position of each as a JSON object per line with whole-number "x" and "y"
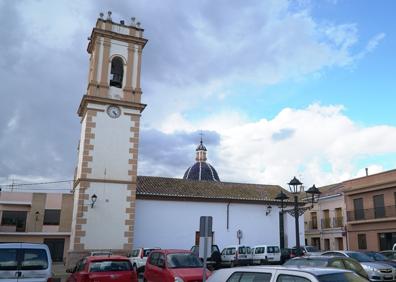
{"x": 328, "y": 261}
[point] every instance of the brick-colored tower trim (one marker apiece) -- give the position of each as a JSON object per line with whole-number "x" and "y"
{"x": 86, "y": 170}
{"x": 131, "y": 197}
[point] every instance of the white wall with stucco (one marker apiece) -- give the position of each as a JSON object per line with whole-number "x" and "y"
{"x": 172, "y": 224}
{"x": 110, "y": 154}
{"x": 105, "y": 227}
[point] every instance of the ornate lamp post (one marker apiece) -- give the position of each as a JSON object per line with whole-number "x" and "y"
{"x": 281, "y": 197}
{"x": 295, "y": 187}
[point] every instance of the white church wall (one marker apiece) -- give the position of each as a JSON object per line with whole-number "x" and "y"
{"x": 109, "y": 209}
{"x": 172, "y": 224}
{"x": 290, "y": 231}
{"x": 110, "y": 153}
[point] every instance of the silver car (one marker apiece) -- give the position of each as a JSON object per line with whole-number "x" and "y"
{"x": 25, "y": 262}
{"x": 376, "y": 271}
{"x": 283, "y": 274}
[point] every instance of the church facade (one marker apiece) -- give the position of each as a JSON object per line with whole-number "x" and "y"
{"x": 114, "y": 208}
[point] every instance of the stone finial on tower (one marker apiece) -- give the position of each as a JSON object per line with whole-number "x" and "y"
{"x": 109, "y": 16}
{"x": 133, "y": 19}
{"x": 138, "y": 24}
{"x": 101, "y": 15}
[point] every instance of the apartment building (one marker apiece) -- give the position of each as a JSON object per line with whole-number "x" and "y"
{"x": 325, "y": 222}
{"x": 371, "y": 211}
{"x": 37, "y": 218}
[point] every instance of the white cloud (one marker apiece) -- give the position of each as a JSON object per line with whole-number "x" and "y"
{"x": 321, "y": 146}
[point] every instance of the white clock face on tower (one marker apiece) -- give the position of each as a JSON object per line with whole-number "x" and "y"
{"x": 113, "y": 111}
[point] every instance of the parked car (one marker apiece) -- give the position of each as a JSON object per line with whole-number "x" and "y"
{"x": 101, "y": 253}
{"x": 381, "y": 258}
{"x": 389, "y": 254}
{"x": 236, "y": 255}
{"x": 24, "y": 261}
{"x": 265, "y": 254}
{"x": 328, "y": 261}
{"x": 102, "y": 268}
{"x": 173, "y": 266}
{"x": 305, "y": 251}
{"x": 285, "y": 255}
{"x": 283, "y": 274}
{"x": 214, "y": 258}
{"x": 138, "y": 258}
{"x": 376, "y": 271}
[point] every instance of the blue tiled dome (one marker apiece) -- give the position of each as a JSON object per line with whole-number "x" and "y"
{"x": 201, "y": 171}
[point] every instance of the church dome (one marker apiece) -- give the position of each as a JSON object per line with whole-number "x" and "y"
{"x": 201, "y": 171}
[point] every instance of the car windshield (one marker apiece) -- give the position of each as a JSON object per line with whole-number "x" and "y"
{"x": 306, "y": 262}
{"x": 273, "y": 249}
{"x": 311, "y": 249}
{"x": 135, "y": 253}
{"x": 146, "y": 252}
{"x": 183, "y": 260}
{"x": 360, "y": 257}
{"x": 378, "y": 256}
{"x": 341, "y": 277}
{"x": 110, "y": 265}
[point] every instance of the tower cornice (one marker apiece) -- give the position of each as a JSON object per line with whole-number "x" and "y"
{"x": 97, "y": 32}
{"x": 107, "y": 101}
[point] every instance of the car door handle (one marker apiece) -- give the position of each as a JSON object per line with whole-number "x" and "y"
{"x": 18, "y": 273}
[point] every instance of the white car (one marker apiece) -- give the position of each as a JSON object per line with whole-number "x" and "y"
{"x": 264, "y": 254}
{"x": 25, "y": 262}
{"x": 282, "y": 274}
{"x": 236, "y": 255}
{"x": 138, "y": 258}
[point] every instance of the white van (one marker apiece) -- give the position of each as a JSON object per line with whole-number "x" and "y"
{"x": 264, "y": 254}
{"x": 236, "y": 255}
{"x": 25, "y": 262}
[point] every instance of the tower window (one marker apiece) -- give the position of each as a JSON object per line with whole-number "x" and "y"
{"x": 117, "y": 72}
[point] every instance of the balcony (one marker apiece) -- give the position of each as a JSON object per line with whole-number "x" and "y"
{"x": 338, "y": 222}
{"x": 311, "y": 225}
{"x": 326, "y": 223}
{"x": 372, "y": 214}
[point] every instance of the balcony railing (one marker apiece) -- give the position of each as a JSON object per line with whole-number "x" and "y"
{"x": 373, "y": 213}
{"x": 326, "y": 223}
{"x": 312, "y": 225}
{"x": 338, "y": 222}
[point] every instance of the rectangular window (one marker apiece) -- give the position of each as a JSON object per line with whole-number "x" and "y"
{"x": 8, "y": 259}
{"x": 358, "y": 206}
{"x": 34, "y": 259}
{"x": 379, "y": 206}
{"x": 326, "y": 219}
{"x": 314, "y": 220}
{"x": 52, "y": 217}
{"x": 362, "y": 243}
{"x": 14, "y": 218}
{"x": 338, "y": 221}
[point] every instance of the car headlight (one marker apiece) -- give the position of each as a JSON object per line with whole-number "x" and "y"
{"x": 370, "y": 268}
{"x": 178, "y": 279}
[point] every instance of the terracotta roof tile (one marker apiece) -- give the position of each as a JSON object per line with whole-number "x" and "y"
{"x": 151, "y": 186}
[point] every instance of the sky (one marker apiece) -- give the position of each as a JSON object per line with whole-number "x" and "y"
{"x": 278, "y": 88}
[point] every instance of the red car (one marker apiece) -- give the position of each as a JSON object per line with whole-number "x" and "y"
{"x": 102, "y": 268}
{"x": 173, "y": 266}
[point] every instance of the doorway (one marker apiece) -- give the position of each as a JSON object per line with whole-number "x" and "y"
{"x": 56, "y": 247}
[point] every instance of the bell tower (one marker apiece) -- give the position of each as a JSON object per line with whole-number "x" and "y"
{"x": 105, "y": 177}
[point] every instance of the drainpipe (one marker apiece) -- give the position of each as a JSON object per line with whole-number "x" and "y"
{"x": 228, "y": 215}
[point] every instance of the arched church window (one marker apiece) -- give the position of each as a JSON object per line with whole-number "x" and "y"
{"x": 117, "y": 72}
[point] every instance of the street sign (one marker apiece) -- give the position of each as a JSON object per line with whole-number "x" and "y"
{"x": 205, "y": 240}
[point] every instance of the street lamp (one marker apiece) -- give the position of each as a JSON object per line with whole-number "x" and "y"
{"x": 281, "y": 197}
{"x": 296, "y": 189}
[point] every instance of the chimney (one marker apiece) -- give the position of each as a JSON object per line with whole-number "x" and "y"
{"x": 366, "y": 171}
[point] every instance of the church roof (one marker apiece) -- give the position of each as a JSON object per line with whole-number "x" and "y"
{"x": 151, "y": 187}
